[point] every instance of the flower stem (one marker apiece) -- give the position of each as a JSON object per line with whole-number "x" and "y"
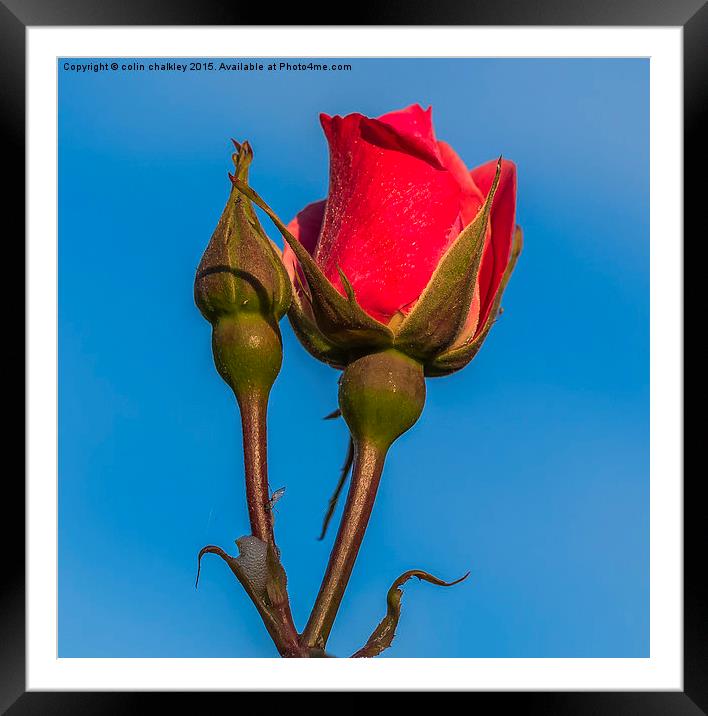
{"x": 368, "y": 466}
{"x": 381, "y": 396}
{"x": 254, "y": 407}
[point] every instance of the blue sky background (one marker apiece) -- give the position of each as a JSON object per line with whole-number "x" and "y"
{"x": 530, "y": 467}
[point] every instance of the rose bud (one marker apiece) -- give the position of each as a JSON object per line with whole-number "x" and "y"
{"x": 410, "y": 249}
{"x": 243, "y": 290}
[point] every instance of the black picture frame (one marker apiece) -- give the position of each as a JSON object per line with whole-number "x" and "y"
{"x": 17, "y": 15}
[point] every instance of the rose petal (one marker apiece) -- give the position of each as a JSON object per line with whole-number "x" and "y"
{"x": 390, "y": 209}
{"x": 306, "y": 228}
{"x": 409, "y": 130}
{"x": 472, "y": 197}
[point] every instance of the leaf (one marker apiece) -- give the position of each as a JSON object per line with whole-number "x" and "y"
{"x": 341, "y": 320}
{"x": 442, "y": 308}
{"x": 382, "y": 637}
{"x": 458, "y": 357}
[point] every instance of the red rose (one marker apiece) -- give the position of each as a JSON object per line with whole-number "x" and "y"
{"x": 397, "y": 199}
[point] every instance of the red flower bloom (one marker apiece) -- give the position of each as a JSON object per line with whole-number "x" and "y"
{"x": 398, "y": 199}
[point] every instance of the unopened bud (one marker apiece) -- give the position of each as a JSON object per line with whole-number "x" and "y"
{"x": 243, "y": 290}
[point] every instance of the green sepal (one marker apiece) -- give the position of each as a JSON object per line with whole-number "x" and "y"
{"x": 341, "y": 320}
{"x": 458, "y": 357}
{"x": 242, "y": 158}
{"x": 382, "y": 637}
{"x": 442, "y": 308}
{"x": 241, "y": 269}
{"x": 314, "y": 341}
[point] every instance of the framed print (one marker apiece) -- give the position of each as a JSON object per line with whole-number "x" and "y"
{"x": 456, "y": 239}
